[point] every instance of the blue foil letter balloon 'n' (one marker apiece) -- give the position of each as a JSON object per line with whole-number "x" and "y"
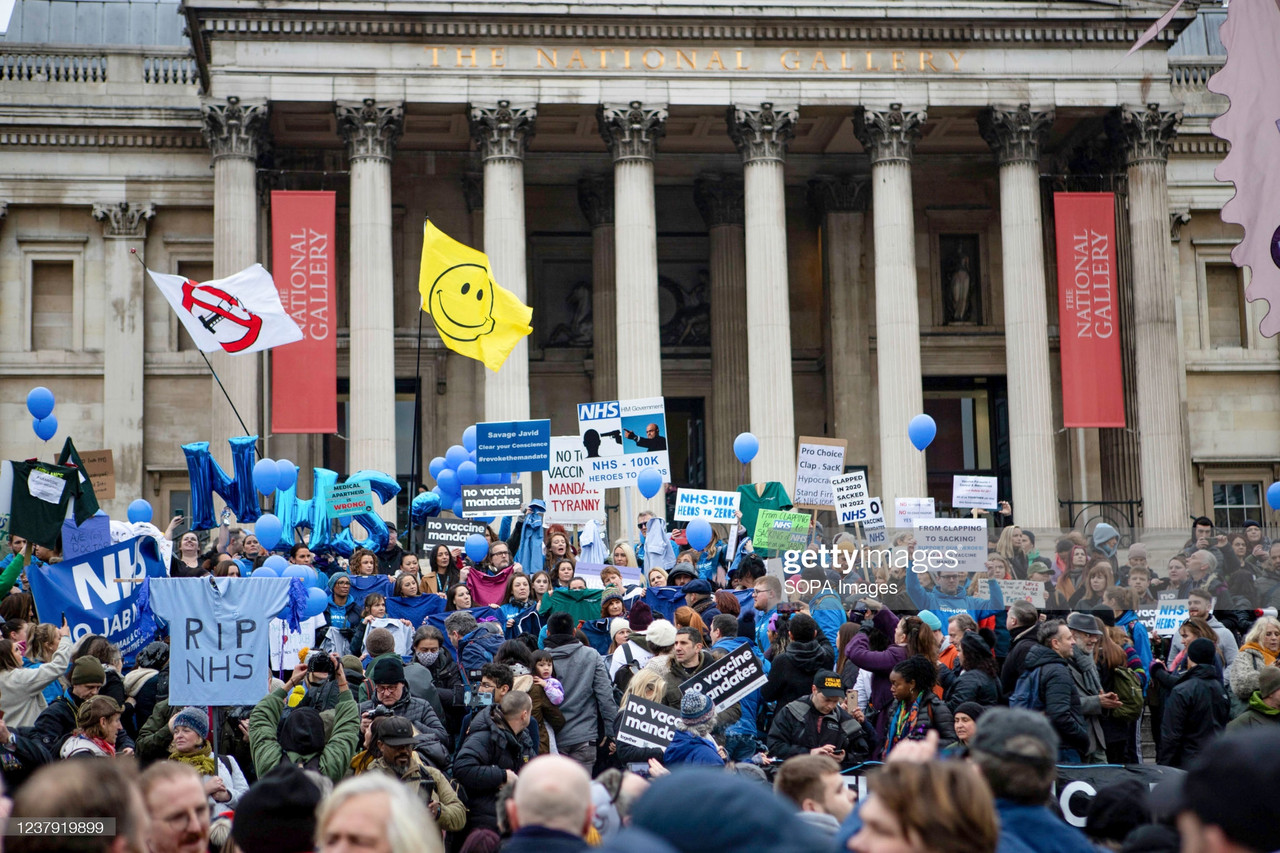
{"x": 207, "y": 478}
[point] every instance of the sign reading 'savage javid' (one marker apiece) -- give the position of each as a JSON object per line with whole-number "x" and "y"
{"x": 728, "y": 60}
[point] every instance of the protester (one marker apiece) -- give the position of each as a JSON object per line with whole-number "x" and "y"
{"x": 495, "y": 748}
{"x": 917, "y": 710}
{"x": 813, "y": 783}
{"x": 86, "y": 791}
{"x": 930, "y": 808}
{"x": 56, "y": 722}
{"x": 1046, "y": 684}
{"x": 277, "y": 815}
{"x": 1224, "y": 805}
{"x": 588, "y": 692}
{"x": 179, "y": 809}
{"x": 977, "y": 681}
{"x": 791, "y": 673}
{"x": 551, "y": 811}
{"x": 391, "y": 691}
{"x": 1259, "y": 651}
{"x": 1197, "y": 709}
{"x": 1263, "y": 703}
{"x": 224, "y": 781}
{"x": 301, "y": 739}
{"x": 21, "y": 689}
{"x": 398, "y": 758}
{"x": 692, "y": 743}
{"x": 817, "y": 725}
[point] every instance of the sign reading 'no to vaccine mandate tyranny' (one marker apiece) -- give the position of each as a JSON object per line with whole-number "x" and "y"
{"x": 623, "y": 438}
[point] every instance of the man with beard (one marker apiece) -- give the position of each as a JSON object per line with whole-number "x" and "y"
{"x": 396, "y": 739}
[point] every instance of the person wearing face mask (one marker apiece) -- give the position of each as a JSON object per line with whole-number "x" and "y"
{"x": 446, "y": 678}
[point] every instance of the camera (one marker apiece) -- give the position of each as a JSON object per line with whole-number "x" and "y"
{"x": 381, "y": 711}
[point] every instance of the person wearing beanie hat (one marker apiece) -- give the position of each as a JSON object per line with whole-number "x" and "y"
{"x": 342, "y": 612}
{"x": 640, "y": 617}
{"x": 1264, "y": 703}
{"x": 965, "y": 719}
{"x": 588, "y": 693}
{"x": 692, "y": 743}
{"x": 661, "y": 636}
{"x": 612, "y": 605}
{"x": 619, "y": 633}
{"x": 390, "y": 690}
{"x": 1116, "y": 810}
{"x": 57, "y": 721}
{"x": 1197, "y": 710}
{"x": 628, "y": 657}
{"x": 931, "y": 619}
{"x": 278, "y": 814}
{"x": 224, "y": 782}
{"x": 87, "y": 671}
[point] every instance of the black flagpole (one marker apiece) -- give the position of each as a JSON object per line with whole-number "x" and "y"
{"x": 413, "y": 443}
{"x": 134, "y": 252}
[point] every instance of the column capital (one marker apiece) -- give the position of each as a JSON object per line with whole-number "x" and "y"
{"x": 234, "y": 129}
{"x": 720, "y": 199}
{"x": 4, "y": 209}
{"x": 762, "y": 133}
{"x": 1015, "y": 135}
{"x": 1147, "y": 132}
{"x": 888, "y": 135}
{"x": 595, "y": 197}
{"x": 473, "y": 190}
{"x": 370, "y": 130}
{"x": 632, "y": 131}
{"x": 502, "y": 132}
{"x": 124, "y": 219}
{"x": 840, "y": 194}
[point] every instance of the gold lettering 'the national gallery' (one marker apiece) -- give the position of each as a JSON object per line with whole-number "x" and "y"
{"x": 691, "y": 60}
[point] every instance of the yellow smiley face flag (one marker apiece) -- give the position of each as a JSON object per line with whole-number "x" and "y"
{"x": 474, "y": 316}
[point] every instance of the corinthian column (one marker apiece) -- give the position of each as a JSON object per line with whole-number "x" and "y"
{"x": 1015, "y": 136}
{"x": 370, "y": 130}
{"x": 761, "y": 135}
{"x": 502, "y": 134}
{"x": 234, "y": 131}
{"x": 889, "y": 136}
{"x": 720, "y": 200}
{"x": 595, "y": 197}
{"x": 1148, "y": 134}
{"x": 843, "y": 203}
{"x": 124, "y": 223}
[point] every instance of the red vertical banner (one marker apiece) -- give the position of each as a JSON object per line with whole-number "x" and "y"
{"x": 304, "y": 375}
{"x": 1088, "y": 310}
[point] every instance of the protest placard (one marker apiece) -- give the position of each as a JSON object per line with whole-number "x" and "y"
{"x": 907, "y": 510}
{"x": 508, "y": 447}
{"x": 648, "y": 725}
{"x": 100, "y": 468}
{"x": 960, "y": 544}
{"x": 350, "y": 499}
{"x": 969, "y": 492}
{"x": 448, "y": 531}
{"x": 622, "y": 438}
{"x": 1171, "y": 614}
{"x": 568, "y": 496}
{"x": 1014, "y": 590}
{"x": 695, "y": 504}
{"x": 486, "y": 501}
{"x": 728, "y": 679}
{"x": 777, "y": 530}
{"x": 1147, "y": 616}
{"x": 850, "y": 493}
{"x": 873, "y": 525}
{"x": 817, "y": 461}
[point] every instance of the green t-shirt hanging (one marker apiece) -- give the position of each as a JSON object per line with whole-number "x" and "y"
{"x": 581, "y": 604}
{"x": 41, "y": 495}
{"x": 751, "y": 502}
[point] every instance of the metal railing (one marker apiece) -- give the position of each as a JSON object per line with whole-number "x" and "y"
{"x": 1122, "y": 515}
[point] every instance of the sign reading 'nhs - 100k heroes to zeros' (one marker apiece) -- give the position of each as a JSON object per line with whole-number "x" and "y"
{"x": 623, "y": 438}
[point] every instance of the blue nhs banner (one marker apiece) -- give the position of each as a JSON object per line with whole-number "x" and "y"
{"x": 86, "y": 590}
{"x": 622, "y": 438}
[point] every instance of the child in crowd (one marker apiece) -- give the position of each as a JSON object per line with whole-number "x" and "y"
{"x": 544, "y": 672}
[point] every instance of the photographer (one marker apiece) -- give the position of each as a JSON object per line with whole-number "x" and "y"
{"x": 495, "y": 748}
{"x": 301, "y": 740}
{"x": 394, "y": 739}
{"x": 391, "y": 691}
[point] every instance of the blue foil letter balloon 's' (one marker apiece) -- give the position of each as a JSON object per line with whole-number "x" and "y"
{"x": 208, "y": 478}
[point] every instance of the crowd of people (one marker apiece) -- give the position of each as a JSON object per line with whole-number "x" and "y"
{"x": 493, "y": 722}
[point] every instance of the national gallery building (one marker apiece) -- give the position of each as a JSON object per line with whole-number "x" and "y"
{"x": 794, "y": 219}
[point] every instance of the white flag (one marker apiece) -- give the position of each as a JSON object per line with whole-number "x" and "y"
{"x": 239, "y": 314}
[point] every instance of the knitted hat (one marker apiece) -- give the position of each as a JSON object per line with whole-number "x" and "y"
{"x": 277, "y": 814}
{"x": 931, "y": 619}
{"x": 970, "y": 709}
{"x": 1268, "y": 681}
{"x": 661, "y": 634}
{"x": 196, "y": 719}
{"x": 388, "y": 671}
{"x": 1201, "y": 651}
{"x": 609, "y": 593}
{"x": 351, "y": 663}
{"x": 640, "y": 617}
{"x": 618, "y": 624}
{"x": 88, "y": 670}
{"x": 1137, "y": 549}
{"x": 696, "y": 709}
{"x": 334, "y": 578}
{"x": 1104, "y": 533}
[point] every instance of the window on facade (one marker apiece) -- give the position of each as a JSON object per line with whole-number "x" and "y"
{"x": 196, "y": 271}
{"x": 1226, "y": 306}
{"x": 52, "y": 312}
{"x": 1235, "y": 502}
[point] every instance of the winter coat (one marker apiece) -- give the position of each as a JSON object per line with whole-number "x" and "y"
{"x": 21, "y": 690}
{"x": 1243, "y": 675}
{"x": 433, "y": 743}
{"x": 798, "y": 728}
{"x": 1034, "y": 827}
{"x": 791, "y": 675}
{"x": 453, "y": 814}
{"x": 1061, "y": 701}
{"x": 1023, "y": 642}
{"x": 1195, "y": 713}
{"x": 588, "y": 694}
{"x": 1084, "y": 672}
{"x": 56, "y": 723}
{"x": 688, "y": 748}
{"x": 879, "y": 664}
{"x": 749, "y": 705}
{"x": 451, "y": 690}
{"x": 226, "y": 769}
{"x": 1138, "y": 634}
{"x": 541, "y": 839}
{"x": 973, "y": 685}
{"x": 339, "y": 748}
{"x": 1260, "y": 714}
{"x": 934, "y": 715}
{"x": 79, "y": 746}
{"x": 544, "y": 711}
{"x": 423, "y": 686}
{"x": 489, "y": 750}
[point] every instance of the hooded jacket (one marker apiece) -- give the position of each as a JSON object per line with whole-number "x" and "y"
{"x": 1195, "y": 713}
{"x": 1259, "y": 714}
{"x": 946, "y": 606}
{"x": 1023, "y": 642}
{"x": 689, "y": 748}
{"x": 588, "y": 693}
{"x": 1138, "y": 633}
{"x": 489, "y": 750}
{"x": 56, "y": 723}
{"x": 879, "y": 664}
{"x": 1058, "y": 693}
{"x": 302, "y": 737}
{"x": 791, "y": 675}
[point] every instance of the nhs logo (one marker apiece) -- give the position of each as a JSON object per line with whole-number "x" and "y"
{"x": 597, "y": 411}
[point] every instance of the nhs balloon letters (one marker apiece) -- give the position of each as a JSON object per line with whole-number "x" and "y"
{"x": 208, "y": 478}
{"x": 294, "y": 513}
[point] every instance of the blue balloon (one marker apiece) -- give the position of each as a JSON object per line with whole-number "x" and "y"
{"x": 276, "y": 563}
{"x": 649, "y": 482}
{"x": 288, "y": 474}
{"x": 469, "y": 439}
{"x": 488, "y": 519}
{"x": 317, "y": 580}
{"x": 139, "y": 511}
{"x": 699, "y": 534}
{"x": 745, "y": 447}
{"x": 266, "y": 476}
{"x": 294, "y": 571}
{"x": 317, "y": 603}
{"x": 40, "y": 402}
{"x": 472, "y": 456}
{"x": 492, "y": 479}
{"x": 264, "y": 571}
{"x": 455, "y": 456}
{"x": 467, "y": 474}
{"x": 268, "y": 530}
{"x": 45, "y": 427}
{"x": 1273, "y": 495}
{"x": 457, "y": 507}
{"x": 436, "y": 466}
{"x": 477, "y": 547}
{"x": 921, "y": 431}
{"x": 344, "y": 522}
{"x": 448, "y": 484}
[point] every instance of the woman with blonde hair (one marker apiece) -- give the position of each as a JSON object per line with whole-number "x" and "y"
{"x": 21, "y": 689}
{"x": 623, "y": 554}
{"x": 1261, "y": 648}
{"x": 1009, "y": 546}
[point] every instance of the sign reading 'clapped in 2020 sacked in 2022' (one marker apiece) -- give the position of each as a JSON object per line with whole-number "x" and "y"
{"x": 623, "y": 438}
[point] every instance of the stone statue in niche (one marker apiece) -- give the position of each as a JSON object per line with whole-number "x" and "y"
{"x": 687, "y": 319}
{"x": 580, "y": 330}
{"x": 961, "y": 291}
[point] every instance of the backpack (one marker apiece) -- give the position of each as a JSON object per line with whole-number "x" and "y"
{"x": 476, "y": 650}
{"x": 1027, "y": 693}
{"x": 1128, "y": 688}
